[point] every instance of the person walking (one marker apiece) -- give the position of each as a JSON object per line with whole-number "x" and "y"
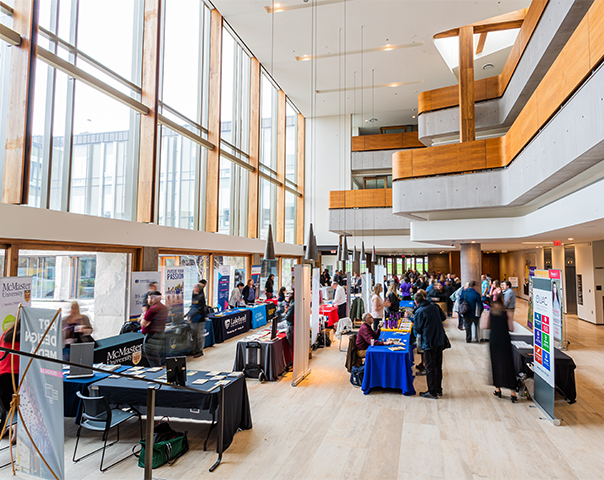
{"x": 153, "y": 327}
{"x": 500, "y": 345}
{"x": 428, "y": 325}
{"x": 197, "y": 316}
{"x": 509, "y": 298}
{"x": 474, "y": 310}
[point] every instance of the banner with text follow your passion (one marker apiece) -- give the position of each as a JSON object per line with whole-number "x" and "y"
{"x": 41, "y": 401}
{"x": 543, "y": 345}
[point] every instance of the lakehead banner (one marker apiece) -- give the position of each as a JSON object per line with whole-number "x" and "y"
{"x": 41, "y": 393}
{"x": 174, "y": 283}
{"x": 140, "y": 286}
{"x": 256, "y": 271}
{"x": 224, "y": 279}
{"x": 13, "y": 291}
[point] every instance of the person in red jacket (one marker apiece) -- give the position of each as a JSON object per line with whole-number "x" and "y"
{"x": 367, "y": 335}
{"x": 10, "y": 364}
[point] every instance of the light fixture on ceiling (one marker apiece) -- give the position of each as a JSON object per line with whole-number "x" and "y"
{"x": 473, "y": 241}
{"x": 571, "y": 239}
{"x": 412, "y": 116}
{"x": 488, "y": 66}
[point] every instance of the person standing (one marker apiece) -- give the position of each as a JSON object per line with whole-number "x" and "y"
{"x": 236, "y": 298}
{"x": 269, "y": 286}
{"x": 249, "y": 292}
{"x": 393, "y": 299}
{"x": 290, "y": 318}
{"x": 484, "y": 288}
{"x": 377, "y": 305}
{"x": 472, "y": 316}
{"x": 509, "y": 298}
{"x": 153, "y": 327}
{"x": 76, "y": 329}
{"x": 500, "y": 345}
{"x": 197, "y": 316}
{"x": 339, "y": 299}
{"x": 406, "y": 289}
{"x": 428, "y": 324}
{"x": 152, "y": 287}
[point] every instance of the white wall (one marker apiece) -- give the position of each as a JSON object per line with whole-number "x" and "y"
{"x": 584, "y": 262}
{"x": 513, "y": 264}
{"x": 327, "y": 169}
{"x": 598, "y": 252}
{"x": 558, "y": 264}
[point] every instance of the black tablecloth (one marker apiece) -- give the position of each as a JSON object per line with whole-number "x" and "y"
{"x": 230, "y": 323}
{"x": 237, "y": 414}
{"x": 564, "y": 370}
{"x": 272, "y": 361}
{"x": 124, "y": 349}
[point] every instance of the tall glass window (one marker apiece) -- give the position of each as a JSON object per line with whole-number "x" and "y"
{"x": 267, "y": 211}
{"x": 5, "y": 51}
{"x": 290, "y": 217}
{"x": 291, "y": 144}
{"x": 268, "y": 123}
{"x": 287, "y": 274}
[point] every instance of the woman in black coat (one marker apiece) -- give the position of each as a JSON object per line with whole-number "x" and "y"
{"x": 269, "y": 286}
{"x": 502, "y": 361}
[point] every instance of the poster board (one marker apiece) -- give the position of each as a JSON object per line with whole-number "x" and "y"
{"x": 224, "y": 282}
{"x": 316, "y": 303}
{"x": 41, "y": 401}
{"x": 13, "y": 291}
{"x": 543, "y": 345}
{"x": 256, "y": 271}
{"x": 513, "y": 281}
{"x": 139, "y": 287}
{"x": 301, "y": 323}
{"x": 174, "y": 282}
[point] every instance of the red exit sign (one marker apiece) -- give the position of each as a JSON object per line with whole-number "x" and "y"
{"x": 557, "y": 243}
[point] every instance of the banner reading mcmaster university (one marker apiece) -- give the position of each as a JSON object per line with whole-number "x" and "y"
{"x": 13, "y": 291}
{"x": 41, "y": 395}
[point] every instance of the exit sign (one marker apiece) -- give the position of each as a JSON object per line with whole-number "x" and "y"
{"x": 557, "y": 243}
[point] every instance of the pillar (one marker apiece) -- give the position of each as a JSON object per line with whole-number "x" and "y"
{"x": 471, "y": 263}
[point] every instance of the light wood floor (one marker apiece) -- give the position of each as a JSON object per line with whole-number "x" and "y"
{"x": 327, "y": 428}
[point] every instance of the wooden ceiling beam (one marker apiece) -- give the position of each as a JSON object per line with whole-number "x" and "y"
{"x": 507, "y": 21}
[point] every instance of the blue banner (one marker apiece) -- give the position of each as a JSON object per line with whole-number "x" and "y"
{"x": 223, "y": 287}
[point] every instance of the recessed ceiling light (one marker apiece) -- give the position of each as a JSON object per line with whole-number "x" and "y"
{"x": 394, "y": 85}
{"x": 277, "y": 5}
{"x": 473, "y": 241}
{"x": 412, "y": 116}
{"x": 487, "y": 66}
{"x": 571, "y": 239}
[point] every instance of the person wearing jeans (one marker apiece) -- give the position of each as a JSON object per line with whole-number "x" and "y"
{"x": 473, "y": 298}
{"x": 197, "y": 316}
{"x": 428, "y": 324}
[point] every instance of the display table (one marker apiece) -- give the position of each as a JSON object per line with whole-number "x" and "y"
{"x": 331, "y": 312}
{"x": 564, "y": 370}
{"x": 406, "y": 304}
{"x": 230, "y": 323}
{"x": 271, "y": 300}
{"x": 259, "y": 315}
{"x": 124, "y": 349}
{"x": 122, "y": 391}
{"x": 71, "y": 402}
{"x": 272, "y": 356}
{"x": 387, "y": 369}
{"x": 271, "y": 309}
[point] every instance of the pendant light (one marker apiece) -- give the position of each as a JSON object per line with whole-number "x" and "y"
{"x": 345, "y": 256}
{"x": 339, "y": 252}
{"x": 356, "y": 256}
{"x": 269, "y": 250}
{"x": 373, "y": 256}
{"x": 311, "y": 248}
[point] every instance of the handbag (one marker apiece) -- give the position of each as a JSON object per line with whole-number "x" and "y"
{"x": 168, "y": 446}
{"x": 464, "y": 308}
{"x": 447, "y": 343}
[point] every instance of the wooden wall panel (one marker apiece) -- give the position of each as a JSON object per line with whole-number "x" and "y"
{"x": 20, "y": 104}
{"x": 402, "y": 164}
{"x": 493, "y": 87}
{"x": 148, "y": 156}
{"x": 358, "y": 143}
{"x": 596, "y": 33}
{"x": 467, "y": 122}
{"x": 215, "y": 86}
{"x": 254, "y": 182}
{"x": 386, "y": 141}
{"x": 281, "y": 105}
{"x": 374, "y": 198}
{"x": 301, "y": 179}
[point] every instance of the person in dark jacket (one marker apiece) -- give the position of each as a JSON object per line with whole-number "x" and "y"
{"x": 471, "y": 296}
{"x": 290, "y": 318}
{"x": 392, "y": 296}
{"x": 197, "y": 317}
{"x": 428, "y": 324}
{"x": 448, "y": 291}
{"x": 249, "y": 293}
{"x": 269, "y": 286}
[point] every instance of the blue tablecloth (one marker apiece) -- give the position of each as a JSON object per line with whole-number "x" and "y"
{"x": 259, "y": 315}
{"x": 71, "y": 402}
{"x": 387, "y": 369}
{"x": 406, "y": 304}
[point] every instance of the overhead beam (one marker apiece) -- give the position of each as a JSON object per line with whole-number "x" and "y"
{"x": 213, "y": 158}
{"x": 147, "y": 159}
{"x": 481, "y": 41}
{"x": 506, "y": 21}
{"x": 20, "y": 104}
{"x": 467, "y": 123}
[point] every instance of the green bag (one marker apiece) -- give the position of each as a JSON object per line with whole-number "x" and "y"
{"x": 168, "y": 445}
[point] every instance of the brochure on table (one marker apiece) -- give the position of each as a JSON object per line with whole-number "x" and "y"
{"x": 543, "y": 350}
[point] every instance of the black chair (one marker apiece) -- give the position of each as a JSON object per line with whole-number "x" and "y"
{"x": 97, "y": 415}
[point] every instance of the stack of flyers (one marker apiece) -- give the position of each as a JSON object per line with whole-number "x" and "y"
{"x": 235, "y": 374}
{"x": 200, "y": 381}
{"x": 190, "y": 373}
{"x": 212, "y": 374}
{"x": 154, "y": 369}
{"x": 219, "y": 377}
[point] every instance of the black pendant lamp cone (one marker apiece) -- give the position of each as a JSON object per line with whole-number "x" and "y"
{"x": 339, "y": 252}
{"x": 355, "y": 255}
{"x": 363, "y": 257}
{"x": 311, "y": 248}
{"x": 373, "y": 256}
{"x": 345, "y": 256}
{"x": 269, "y": 250}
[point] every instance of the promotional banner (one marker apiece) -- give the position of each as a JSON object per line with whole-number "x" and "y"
{"x": 140, "y": 286}
{"x": 13, "y": 291}
{"x": 315, "y": 303}
{"x": 256, "y": 271}
{"x": 224, "y": 278}
{"x": 41, "y": 401}
{"x": 557, "y": 302}
{"x": 174, "y": 282}
{"x": 543, "y": 349}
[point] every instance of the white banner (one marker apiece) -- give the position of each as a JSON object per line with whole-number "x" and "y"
{"x": 13, "y": 291}
{"x": 174, "y": 282}
{"x": 41, "y": 402}
{"x": 140, "y": 286}
{"x": 315, "y": 304}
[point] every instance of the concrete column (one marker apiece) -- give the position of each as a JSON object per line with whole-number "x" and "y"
{"x": 110, "y": 288}
{"x": 471, "y": 263}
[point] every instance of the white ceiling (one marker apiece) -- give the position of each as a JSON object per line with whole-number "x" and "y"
{"x": 394, "y": 22}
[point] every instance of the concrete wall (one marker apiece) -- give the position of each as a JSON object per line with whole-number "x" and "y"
{"x": 514, "y": 264}
{"x": 353, "y": 221}
{"x": 598, "y": 255}
{"x": 584, "y": 261}
{"x": 380, "y": 160}
{"x": 556, "y": 25}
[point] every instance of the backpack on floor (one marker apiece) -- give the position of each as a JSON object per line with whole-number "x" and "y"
{"x": 356, "y": 375}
